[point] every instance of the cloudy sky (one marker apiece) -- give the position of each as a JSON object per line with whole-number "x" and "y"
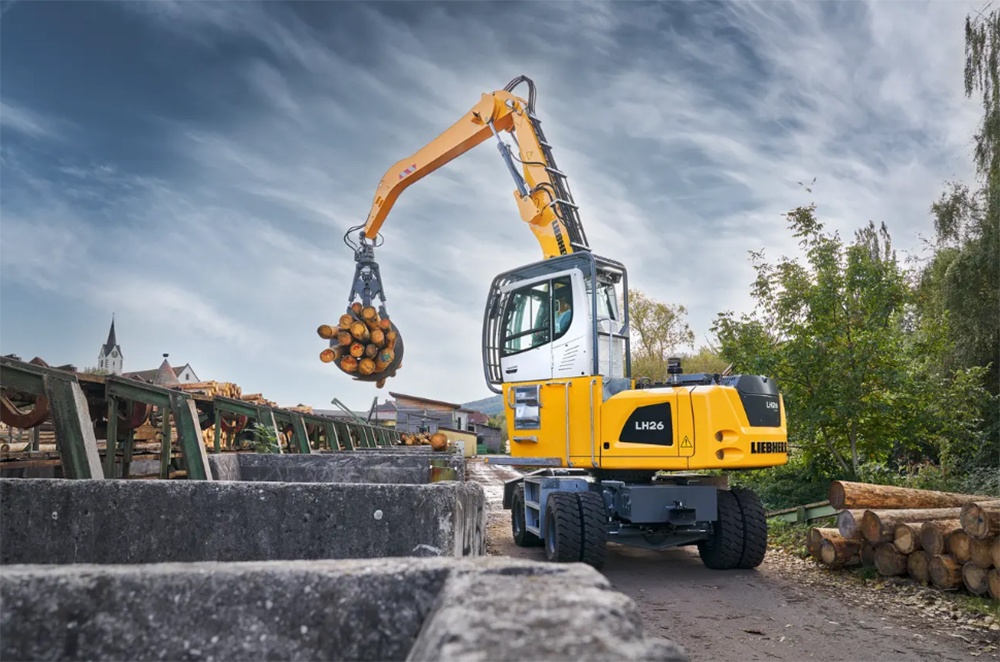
{"x": 192, "y": 166}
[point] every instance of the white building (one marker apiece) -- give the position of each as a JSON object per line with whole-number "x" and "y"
{"x": 110, "y": 357}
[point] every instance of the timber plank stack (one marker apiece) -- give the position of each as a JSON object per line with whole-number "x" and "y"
{"x": 944, "y": 539}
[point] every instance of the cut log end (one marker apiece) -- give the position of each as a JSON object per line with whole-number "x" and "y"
{"x": 981, "y": 520}
{"x": 815, "y": 536}
{"x": 945, "y": 572}
{"x": 933, "y": 535}
{"x": 918, "y": 566}
{"x": 867, "y": 554}
{"x": 906, "y": 537}
{"x": 849, "y": 524}
{"x": 888, "y": 561}
{"x": 981, "y": 552}
{"x": 993, "y": 583}
{"x": 975, "y": 578}
{"x": 837, "y": 552}
{"x": 959, "y": 546}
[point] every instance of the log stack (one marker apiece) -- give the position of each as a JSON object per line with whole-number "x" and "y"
{"x": 224, "y": 389}
{"x": 364, "y": 344}
{"x": 944, "y": 539}
{"x": 438, "y": 440}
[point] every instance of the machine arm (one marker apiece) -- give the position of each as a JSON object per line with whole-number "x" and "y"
{"x": 542, "y": 195}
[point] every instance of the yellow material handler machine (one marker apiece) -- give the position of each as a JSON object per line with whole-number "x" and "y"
{"x": 614, "y": 459}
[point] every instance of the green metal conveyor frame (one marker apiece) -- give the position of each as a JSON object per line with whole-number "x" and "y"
{"x": 77, "y": 442}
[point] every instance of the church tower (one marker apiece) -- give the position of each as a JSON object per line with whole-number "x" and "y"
{"x": 110, "y": 358}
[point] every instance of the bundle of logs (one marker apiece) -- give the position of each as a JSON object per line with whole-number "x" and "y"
{"x": 258, "y": 399}
{"x": 225, "y": 389}
{"x": 363, "y": 343}
{"x": 437, "y": 441}
{"x": 941, "y": 538}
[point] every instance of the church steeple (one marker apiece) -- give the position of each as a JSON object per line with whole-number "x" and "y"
{"x": 110, "y": 357}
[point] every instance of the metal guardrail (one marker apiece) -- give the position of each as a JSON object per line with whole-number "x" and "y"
{"x": 806, "y": 513}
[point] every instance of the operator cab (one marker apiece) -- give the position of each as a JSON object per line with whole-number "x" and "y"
{"x": 556, "y": 319}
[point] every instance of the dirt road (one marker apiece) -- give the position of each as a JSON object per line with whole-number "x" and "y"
{"x": 786, "y": 609}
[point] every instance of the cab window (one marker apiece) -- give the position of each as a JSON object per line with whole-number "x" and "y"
{"x": 537, "y": 314}
{"x": 527, "y": 321}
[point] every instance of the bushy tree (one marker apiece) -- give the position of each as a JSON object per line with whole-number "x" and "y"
{"x": 840, "y": 335}
{"x": 658, "y": 330}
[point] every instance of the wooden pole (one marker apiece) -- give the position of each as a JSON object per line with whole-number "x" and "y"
{"x": 993, "y": 580}
{"x": 878, "y": 526}
{"x": 995, "y": 552}
{"x": 850, "y": 495}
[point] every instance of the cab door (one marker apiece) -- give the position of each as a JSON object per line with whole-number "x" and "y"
{"x": 526, "y": 334}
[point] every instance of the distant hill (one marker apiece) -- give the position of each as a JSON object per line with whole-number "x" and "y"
{"x": 489, "y": 406}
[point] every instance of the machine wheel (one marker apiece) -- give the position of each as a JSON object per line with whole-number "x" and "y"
{"x": 754, "y": 527}
{"x": 724, "y": 549}
{"x": 595, "y": 528}
{"x": 522, "y": 537}
{"x": 563, "y": 528}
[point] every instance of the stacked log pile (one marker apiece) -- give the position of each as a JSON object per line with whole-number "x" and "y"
{"x": 224, "y": 389}
{"x": 362, "y": 344}
{"x": 948, "y": 540}
{"x": 258, "y": 399}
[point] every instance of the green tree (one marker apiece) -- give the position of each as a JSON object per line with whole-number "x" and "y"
{"x": 840, "y": 337}
{"x": 658, "y": 331}
{"x": 707, "y": 360}
{"x": 959, "y": 286}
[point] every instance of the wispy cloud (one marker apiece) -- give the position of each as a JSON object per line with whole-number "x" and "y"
{"x": 27, "y": 122}
{"x": 215, "y": 230}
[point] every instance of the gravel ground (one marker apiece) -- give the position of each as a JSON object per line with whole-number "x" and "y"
{"x": 786, "y": 609}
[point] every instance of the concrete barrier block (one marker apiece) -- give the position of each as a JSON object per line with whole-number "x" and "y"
{"x": 489, "y": 608}
{"x": 347, "y": 467}
{"x": 82, "y": 521}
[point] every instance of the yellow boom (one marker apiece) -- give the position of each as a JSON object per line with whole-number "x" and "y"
{"x": 542, "y": 194}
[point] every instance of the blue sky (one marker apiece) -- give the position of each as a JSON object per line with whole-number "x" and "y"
{"x": 192, "y": 166}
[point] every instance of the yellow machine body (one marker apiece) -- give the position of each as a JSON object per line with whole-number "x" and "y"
{"x": 708, "y": 428}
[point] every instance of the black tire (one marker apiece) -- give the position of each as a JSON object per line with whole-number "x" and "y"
{"x": 563, "y": 528}
{"x": 595, "y": 528}
{"x": 724, "y": 549}
{"x": 754, "y": 528}
{"x": 522, "y": 537}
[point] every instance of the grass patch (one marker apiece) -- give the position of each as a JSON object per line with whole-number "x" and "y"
{"x": 788, "y": 537}
{"x": 985, "y": 606}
